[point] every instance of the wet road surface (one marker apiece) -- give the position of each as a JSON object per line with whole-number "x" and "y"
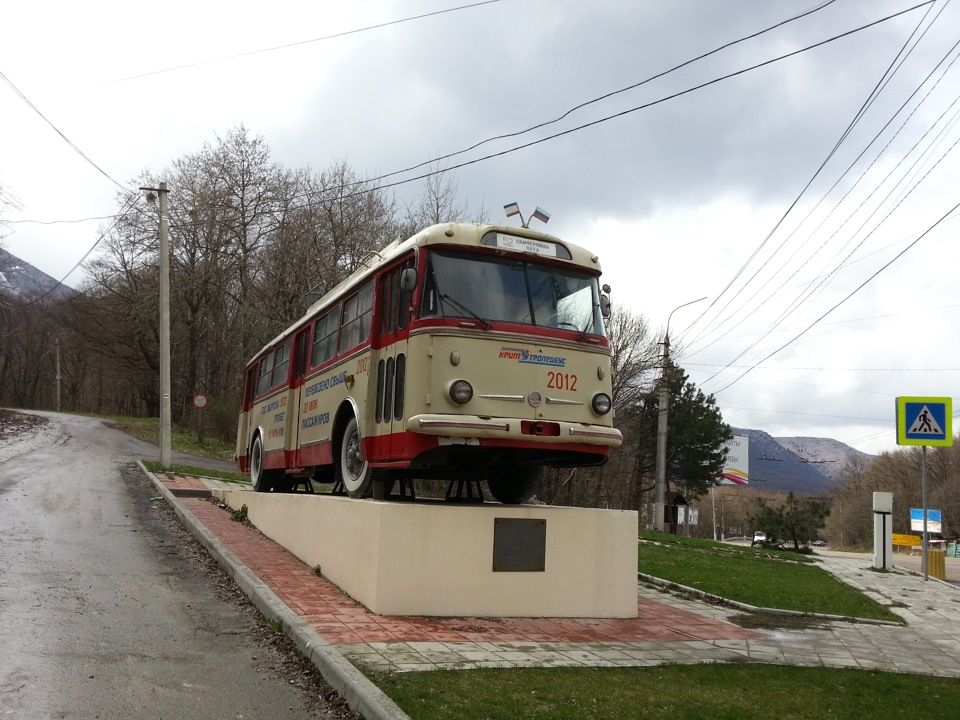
{"x": 107, "y": 607}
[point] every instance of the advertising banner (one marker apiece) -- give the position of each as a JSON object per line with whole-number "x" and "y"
{"x": 736, "y": 470}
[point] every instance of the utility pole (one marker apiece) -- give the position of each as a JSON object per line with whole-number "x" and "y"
{"x": 164, "y": 326}
{"x": 663, "y": 405}
{"x": 58, "y": 374}
{"x": 663, "y": 408}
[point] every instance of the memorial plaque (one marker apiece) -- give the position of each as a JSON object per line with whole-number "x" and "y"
{"x": 519, "y": 545}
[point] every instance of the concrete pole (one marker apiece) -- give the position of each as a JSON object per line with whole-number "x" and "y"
{"x": 663, "y": 409}
{"x": 164, "y": 332}
{"x": 660, "y": 488}
{"x": 58, "y": 374}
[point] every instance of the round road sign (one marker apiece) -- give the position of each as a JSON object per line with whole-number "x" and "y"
{"x": 199, "y": 401}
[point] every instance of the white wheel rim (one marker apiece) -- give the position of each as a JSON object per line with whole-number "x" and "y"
{"x": 352, "y": 464}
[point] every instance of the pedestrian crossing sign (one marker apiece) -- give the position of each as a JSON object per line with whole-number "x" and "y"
{"x": 925, "y": 421}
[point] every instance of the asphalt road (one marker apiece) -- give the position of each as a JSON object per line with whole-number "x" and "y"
{"x": 108, "y": 609}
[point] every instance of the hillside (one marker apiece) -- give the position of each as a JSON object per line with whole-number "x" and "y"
{"x": 21, "y": 279}
{"x": 795, "y": 464}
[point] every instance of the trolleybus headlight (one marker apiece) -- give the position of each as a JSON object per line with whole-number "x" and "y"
{"x": 601, "y": 403}
{"x": 461, "y": 392}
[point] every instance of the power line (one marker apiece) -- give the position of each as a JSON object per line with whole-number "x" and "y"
{"x": 300, "y": 42}
{"x": 825, "y": 278}
{"x": 57, "y": 130}
{"x": 606, "y": 118}
{"x": 129, "y": 204}
{"x": 847, "y": 297}
{"x": 517, "y": 133}
{"x": 608, "y": 95}
{"x": 844, "y": 135}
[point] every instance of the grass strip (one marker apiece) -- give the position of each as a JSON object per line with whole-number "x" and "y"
{"x": 181, "y": 438}
{"x": 737, "y": 691}
{"x": 759, "y": 580}
{"x": 154, "y": 467}
{"x": 713, "y": 545}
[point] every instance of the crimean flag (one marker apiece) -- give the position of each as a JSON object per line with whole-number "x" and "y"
{"x": 511, "y": 209}
{"x": 541, "y": 214}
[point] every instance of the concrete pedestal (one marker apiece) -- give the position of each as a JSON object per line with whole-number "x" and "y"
{"x": 434, "y": 558}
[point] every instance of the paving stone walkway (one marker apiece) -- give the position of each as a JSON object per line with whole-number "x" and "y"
{"x": 670, "y": 628}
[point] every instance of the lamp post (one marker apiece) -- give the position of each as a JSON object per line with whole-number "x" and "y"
{"x": 660, "y": 489}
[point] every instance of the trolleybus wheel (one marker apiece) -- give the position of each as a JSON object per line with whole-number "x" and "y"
{"x": 262, "y": 479}
{"x": 354, "y": 471}
{"x": 515, "y": 484}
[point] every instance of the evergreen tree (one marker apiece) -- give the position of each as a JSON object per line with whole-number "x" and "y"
{"x": 696, "y": 437}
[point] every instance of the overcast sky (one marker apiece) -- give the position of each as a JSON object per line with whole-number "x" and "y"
{"x": 784, "y": 193}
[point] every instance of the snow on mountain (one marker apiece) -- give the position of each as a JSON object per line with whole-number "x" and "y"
{"x": 22, "y": 279}
{"x": 799, "y": 465}
{"x": 827, "y": 454}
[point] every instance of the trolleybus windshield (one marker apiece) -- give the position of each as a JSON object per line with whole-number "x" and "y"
{"x": 495, "y": 289}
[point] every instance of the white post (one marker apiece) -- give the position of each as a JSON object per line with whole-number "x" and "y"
{"x": 883, "y": 530}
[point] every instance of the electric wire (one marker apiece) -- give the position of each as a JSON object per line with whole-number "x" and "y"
{"x": 610, "y": 117}
{"x": 844, "y": 299}
{"x": 59, "y": 132}
{"x": 300, "y": 42}
{"x": 856, "y": 119}
{"x": 797, "y": 303}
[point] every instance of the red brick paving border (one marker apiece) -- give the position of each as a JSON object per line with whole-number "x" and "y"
{"x": 341, "y": 620}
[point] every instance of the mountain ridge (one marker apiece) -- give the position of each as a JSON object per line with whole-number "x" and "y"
{"x": 798, "y": 464}
{"x": 21, "y": 279}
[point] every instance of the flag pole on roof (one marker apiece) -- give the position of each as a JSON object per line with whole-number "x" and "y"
{"x": 540, "y": 214}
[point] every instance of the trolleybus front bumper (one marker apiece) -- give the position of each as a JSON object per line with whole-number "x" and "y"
{"x": 545, "y": 431}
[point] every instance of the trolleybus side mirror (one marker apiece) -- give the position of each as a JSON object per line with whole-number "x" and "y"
{"x": 605, "y": 301}
{"x": 408, "y": 280}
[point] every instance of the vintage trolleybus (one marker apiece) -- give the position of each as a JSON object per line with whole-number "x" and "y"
{"x": 467, "y": 352}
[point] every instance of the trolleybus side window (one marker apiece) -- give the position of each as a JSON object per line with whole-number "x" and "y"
{"x": 281, "y": 365}
{"x": 266, "y": 372}
{"x": 357, "y": 312}
{"x": 325, "y": 337}
{"x": 394, "y": 301}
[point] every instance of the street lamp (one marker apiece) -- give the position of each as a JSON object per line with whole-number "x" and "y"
{"x": 660, "y": 489}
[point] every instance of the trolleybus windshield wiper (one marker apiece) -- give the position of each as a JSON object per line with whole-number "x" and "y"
{"x": 460, "y": 306}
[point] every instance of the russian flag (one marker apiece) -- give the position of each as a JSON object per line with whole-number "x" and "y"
{"x": 511, "y": 209}
{"x": 541, "y": 215}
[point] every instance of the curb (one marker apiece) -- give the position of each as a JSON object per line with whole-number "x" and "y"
{"x": 360, "y": 693}
{"x": 915, "y": 573}
{"x": 660, "y": 582}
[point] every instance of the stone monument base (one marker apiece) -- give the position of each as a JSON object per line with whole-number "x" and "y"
{"x": 435, "y": 558}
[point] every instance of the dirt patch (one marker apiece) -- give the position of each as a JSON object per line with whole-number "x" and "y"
{"x": 766, "y": 621}
{"x": 14, "y": 423}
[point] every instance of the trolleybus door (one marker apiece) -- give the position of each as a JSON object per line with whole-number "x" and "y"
{"x": 301, "y": 359}
{"x": 391, "y": 369}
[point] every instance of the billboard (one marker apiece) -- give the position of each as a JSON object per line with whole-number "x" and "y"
{"x": 736, "y": 469}
{"x": 934, "y": 520}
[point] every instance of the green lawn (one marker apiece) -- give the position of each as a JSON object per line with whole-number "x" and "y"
{"x": 181, "y": 439}
{"x": 777, "y": 579}
{"x": 722, "y": 692}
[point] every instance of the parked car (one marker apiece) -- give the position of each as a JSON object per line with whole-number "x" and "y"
{"x": 819, "y": 543}
{"x": 759, "y": 538}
